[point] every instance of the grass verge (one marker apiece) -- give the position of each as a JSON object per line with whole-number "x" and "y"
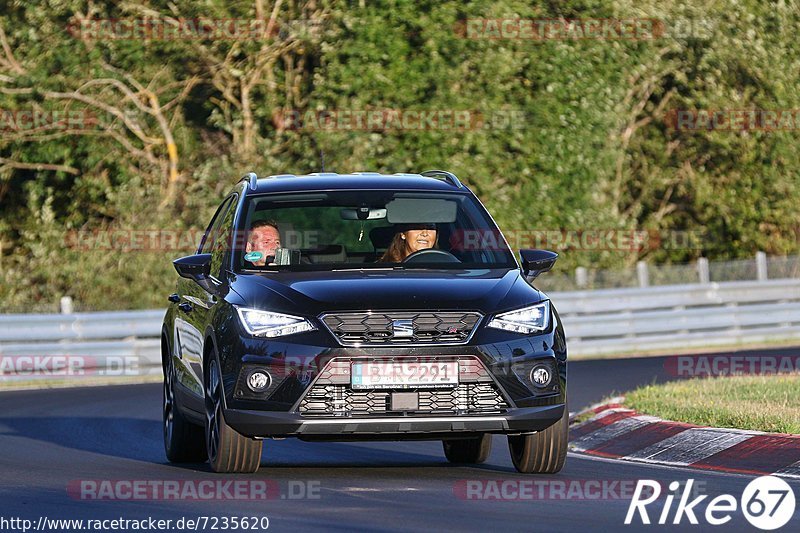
{"x": 761, "y": 403}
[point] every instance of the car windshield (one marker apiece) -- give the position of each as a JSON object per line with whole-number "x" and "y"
{"x": 334, "y": 230}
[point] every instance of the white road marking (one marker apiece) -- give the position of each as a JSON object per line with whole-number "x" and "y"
{"x": 690, "y": 446}
{"x": 791, "y": 471}
{"x": 611, "y": 431}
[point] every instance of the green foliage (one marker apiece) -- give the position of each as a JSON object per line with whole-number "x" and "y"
{"x": 574, "y": 134}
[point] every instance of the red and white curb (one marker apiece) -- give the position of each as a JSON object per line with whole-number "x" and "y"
{"x": 621, "y": 433}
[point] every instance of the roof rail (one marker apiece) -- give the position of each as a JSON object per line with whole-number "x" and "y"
{"x": 252, "y": 180}
{"x": 443, "y": 174}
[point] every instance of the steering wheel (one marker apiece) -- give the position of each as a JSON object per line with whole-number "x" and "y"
{"x": 431, "y": 255}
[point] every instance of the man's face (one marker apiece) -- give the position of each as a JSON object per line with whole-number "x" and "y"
{"x": 419, "y": 239}
{"x": 264, "y": 239}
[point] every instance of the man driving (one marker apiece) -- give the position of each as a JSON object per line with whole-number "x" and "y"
{"x": 262, "y": 241}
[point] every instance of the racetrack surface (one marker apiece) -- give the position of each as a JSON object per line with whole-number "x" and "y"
{"x": 52, "y": 439}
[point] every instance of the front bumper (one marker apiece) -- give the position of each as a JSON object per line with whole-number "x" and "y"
{"x": 298, "y": 366}
{"x": 261, "y": 424}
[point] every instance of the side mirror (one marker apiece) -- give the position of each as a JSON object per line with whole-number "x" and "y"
{"x": 196, "y": 267}
{"x": 535, "y": 262}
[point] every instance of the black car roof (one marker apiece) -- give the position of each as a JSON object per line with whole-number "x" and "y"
{"x": 353, "y": 181}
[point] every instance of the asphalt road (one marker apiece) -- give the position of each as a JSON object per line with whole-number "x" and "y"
{"x": 53, "y": 443}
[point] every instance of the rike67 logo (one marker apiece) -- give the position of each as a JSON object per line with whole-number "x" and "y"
{"x": 767, "y": 503}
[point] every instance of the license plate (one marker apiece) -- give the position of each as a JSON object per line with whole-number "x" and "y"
{"x": 403, "y": 375}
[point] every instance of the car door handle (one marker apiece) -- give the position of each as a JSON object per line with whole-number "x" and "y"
{"x": 174, "y": 298}
{"x": 185, "y": 307}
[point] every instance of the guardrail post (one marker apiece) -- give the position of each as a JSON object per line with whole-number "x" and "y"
{"x": 761, "y": 266}
{"x": 642, "y": 274}
{"x": 66, "y": 305}
{"x": 581, "y": 277}
{"x": 702, "y": 270}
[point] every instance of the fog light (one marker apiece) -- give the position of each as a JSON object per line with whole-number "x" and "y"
{"x": 258, "y": 380}
{"x": 541, "y": 376}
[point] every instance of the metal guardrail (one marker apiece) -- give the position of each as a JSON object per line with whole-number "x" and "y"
{"x": 104, "y": 344}
{"x": 643, "y": 275}
{"x": 730, "y": 293}
{"x": 79, "y": 326}
{"x": 598, "y": 322}
{"x": 677, "y": 317}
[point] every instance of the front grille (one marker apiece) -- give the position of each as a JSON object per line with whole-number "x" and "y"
{"x": 341, "y": 400}
{"x": 387, "y": 328}
{"x": 331, "y": 394}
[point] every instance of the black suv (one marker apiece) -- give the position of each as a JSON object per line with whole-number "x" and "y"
{"x": 331, "y": 336}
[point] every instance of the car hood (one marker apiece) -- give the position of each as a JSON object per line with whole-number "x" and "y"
{"x": 312, "y": 293}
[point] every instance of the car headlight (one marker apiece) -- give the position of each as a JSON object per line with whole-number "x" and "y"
{"x": 527, "y": 320}
{"x": 266, "y": 324}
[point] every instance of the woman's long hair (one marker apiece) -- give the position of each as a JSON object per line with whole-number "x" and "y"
{"x": 396, "y": 251}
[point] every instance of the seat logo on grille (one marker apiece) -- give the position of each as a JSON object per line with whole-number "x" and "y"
{"x": 403, "y": 328}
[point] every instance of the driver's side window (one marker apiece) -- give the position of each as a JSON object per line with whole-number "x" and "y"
{"x": 222, "y": 244}
{"x": 213, "y": 230}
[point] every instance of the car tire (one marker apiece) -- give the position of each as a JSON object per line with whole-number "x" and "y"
{"x": 228, "y": 450}
{"x": 471, "y": 451}
{"x": 184, "y": 442}
{"x": 543, "y": 452}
